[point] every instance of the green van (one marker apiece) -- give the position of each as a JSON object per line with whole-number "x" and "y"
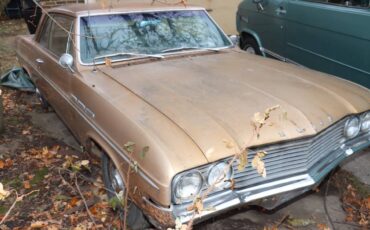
{"x": 331, "y": 36}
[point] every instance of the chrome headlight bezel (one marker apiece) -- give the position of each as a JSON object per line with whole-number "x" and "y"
{"x": 181, "y": 179}
{"x": 365, "y": 118}
{"x": 352, "y": 123}
{"x": 221, "y": 167}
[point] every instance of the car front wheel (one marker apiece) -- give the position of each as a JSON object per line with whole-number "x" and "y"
{"x": 114, "y": 185}
{"x": 250, "y": 45}
{"x": 44, "y": 103}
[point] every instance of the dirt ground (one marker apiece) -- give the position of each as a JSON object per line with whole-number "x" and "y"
{"x": 42, "y": 166}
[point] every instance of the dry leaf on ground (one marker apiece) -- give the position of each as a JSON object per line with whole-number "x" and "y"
{"x": 3, "y": 193}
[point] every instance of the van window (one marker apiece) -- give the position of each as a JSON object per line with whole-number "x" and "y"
{"x": 349, "y": 3}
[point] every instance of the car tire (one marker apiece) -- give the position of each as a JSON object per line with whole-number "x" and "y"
{"x": 113, "y": 181}
{"x": 44, "y": 103}
{"x": 250, "y": 45}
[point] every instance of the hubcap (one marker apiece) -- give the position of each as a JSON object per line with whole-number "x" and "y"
{"x": 116, "y": 180}
{"x": 250, "y": 50}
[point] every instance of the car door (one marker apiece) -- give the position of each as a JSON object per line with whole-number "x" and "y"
{"x": 266, "y": 19}
{"x": 331, "y": 36}
{"x": 55, "y": 40}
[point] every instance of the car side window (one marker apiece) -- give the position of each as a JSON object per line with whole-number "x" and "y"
{"x": 45, "y": 32}
{"x": 60, "y": 36}
{"x": 56, "y": 35}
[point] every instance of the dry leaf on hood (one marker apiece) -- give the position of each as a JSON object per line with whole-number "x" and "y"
{"x": 228, "y": 144}
{"x": 243, "y": 160}
{"x": 197, "y": 206}
{"x": 258, "y": 164}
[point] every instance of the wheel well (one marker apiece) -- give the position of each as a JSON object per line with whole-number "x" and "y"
{"x": 246, "y": 35}
{"x": 94, "y": 147}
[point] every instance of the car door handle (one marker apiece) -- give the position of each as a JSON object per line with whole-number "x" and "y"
{"x": 280, "y": 11}
{"x": 39, "y": 60}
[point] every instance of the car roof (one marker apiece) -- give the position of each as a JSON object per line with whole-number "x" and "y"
{"x": 124, "y": 7}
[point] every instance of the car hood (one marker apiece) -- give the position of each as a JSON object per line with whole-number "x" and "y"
{"x": 214, "y": 97}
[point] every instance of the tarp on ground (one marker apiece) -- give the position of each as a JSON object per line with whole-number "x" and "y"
{"x": 18, "y": 79}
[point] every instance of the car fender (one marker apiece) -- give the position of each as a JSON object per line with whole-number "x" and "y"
{"x": 253, "y": 34}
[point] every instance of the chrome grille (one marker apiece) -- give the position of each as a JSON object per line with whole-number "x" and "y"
{"x": 291, "y": 158}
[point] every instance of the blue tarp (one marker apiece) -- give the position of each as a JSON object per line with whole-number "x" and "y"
{"x": 18, "y": 79}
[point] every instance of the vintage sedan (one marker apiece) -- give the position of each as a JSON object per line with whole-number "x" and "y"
{"x": 167, "y": 77}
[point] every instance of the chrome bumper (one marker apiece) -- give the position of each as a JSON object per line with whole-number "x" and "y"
{"x": 274, "y": 193}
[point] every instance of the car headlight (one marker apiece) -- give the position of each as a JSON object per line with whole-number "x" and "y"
{"x": 188, "y": 185}
{"x": 352, "y": 127}
{"x": 365, "y": 122}
{"x": 220, "y": 175}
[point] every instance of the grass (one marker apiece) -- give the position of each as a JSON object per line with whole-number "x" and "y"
{"x": 39, "y": 176}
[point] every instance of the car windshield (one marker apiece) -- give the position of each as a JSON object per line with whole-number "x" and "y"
{"x": 121, "y": 36}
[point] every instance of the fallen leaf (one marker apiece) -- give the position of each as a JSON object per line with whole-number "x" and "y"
{"x": 73, "y": 201}
{"x": 85, "y": 162}
{"x": 2, "y": 164}
{"x": 3, "y": 193}
{"x": 322, "y": 227}
{"x": 8, "y": 163}
{"x": 243, "y": 160}
{"x": 269, "y": 110}
{"x": 197, "y": 205}
{"x": 39, "y": 224}
{"x": 258, "y": 164}
{"x": 228, "y": 144}
{"x": 26, "y": 132}
{"x": 297, "y": 222}
{"x": 26, "y": 184}
{"x": 108, "y": 62}
{"x": 129, "y": 147}
{"x": 259, "y": 119}
{"x": 232, "y": 184}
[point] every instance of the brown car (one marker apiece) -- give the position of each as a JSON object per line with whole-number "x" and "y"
{"x": 167, "y": 77}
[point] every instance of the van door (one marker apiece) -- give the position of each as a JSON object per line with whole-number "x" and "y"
{"x": 266, "y": 19}
{"x": 331, "y": 36}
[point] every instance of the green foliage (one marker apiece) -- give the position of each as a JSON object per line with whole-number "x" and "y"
{"x": 15, "y": 183}
{"x": 116, "y": 202}
{"x": 39, "y": 176}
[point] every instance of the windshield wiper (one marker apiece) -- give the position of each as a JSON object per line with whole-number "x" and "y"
{"x": 184, "y": 48}
{"x": 131, "y": 55}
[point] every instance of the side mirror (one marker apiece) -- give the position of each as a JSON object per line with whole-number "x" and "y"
{"x": 259, "y": 4}
{"x": 66, "y": 61}
{"x": 234, "y": 39}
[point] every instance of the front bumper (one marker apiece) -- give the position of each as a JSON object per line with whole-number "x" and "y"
{"x": 272, "y": 194}
{"x": 269, "y": 194}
